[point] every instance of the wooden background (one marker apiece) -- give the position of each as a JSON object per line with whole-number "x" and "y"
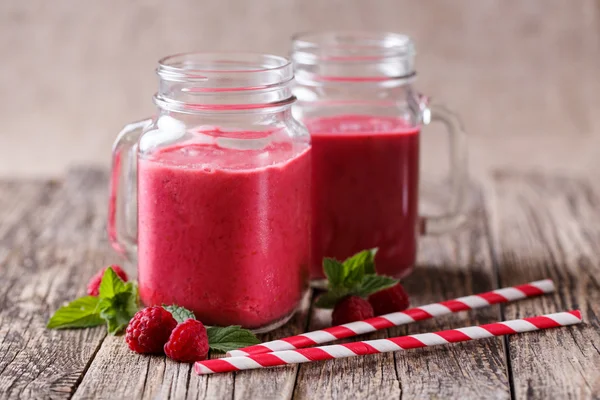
{"x": 524, "y": 76}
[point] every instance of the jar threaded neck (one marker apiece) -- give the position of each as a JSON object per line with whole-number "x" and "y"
{"x": 193, "y": 82}
{"x": 352, "y": 57}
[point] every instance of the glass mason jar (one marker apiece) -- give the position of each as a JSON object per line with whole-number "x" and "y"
{"x": 211, "y": 197}
{"x": 355, "y": 94}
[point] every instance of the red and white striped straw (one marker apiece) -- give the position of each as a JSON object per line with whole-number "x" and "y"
{"x": 409, "y": 316}
{"x": 230, "y": 364}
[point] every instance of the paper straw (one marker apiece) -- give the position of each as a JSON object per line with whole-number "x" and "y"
{"x": 266, "y": 360}
{"x": 409, "y": 316}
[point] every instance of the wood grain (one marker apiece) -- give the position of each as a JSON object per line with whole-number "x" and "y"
{"x": 46, "y": 260}
{"x": 274, "y": 383}
{"x": 550, "y": 227}
{"x": 449, "y": 266}
{"x": 52, "y": 239}
{"x": 153, "y": 377}
{"x": 367, "y": 377}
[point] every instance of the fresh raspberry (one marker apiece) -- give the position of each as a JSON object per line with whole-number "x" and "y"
{"x": 389, "y": 300}
{"x": 94, "y": 284}
{"x": 149, "y": 330}
{"x": 350, "y": 309}
{"x": 188, "y": 342}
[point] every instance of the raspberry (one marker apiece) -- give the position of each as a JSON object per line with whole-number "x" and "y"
{"x": 188, "y": 342}
{"x": 389, "y": 300}
{"x": 350, "y": 309}
{"x": 94, "y": 284}
{"x": 149, "y": 330}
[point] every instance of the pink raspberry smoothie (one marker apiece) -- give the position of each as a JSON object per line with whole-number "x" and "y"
{"x": 365, "y": 190}
{"x": 225, "y": 232}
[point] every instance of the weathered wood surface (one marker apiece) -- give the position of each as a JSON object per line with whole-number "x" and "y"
{"x": 52, "y": 239}
{"x": 550, "y": 227}
{"x": 49, "y": 246}
{"x": 449, "y": 266}
{"x": 157, "y": 377}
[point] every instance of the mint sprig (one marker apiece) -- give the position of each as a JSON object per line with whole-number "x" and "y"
{"x": 80, "y": 313}
{"x": 373, "y": 284}
{"x": 180, "y": 314}
{"x": 355, "y": 276}
{"x": 118, "y": 301}
{"x": 229, "y": 338}
{"x": 115, "y": 305}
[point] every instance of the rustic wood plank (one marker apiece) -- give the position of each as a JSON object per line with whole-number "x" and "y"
{"x": 368, "y": 377}
{"x": 274, "y": 383}
{"x": 153, "y": 377}
{"x": 548, "y": 226}
{"x": 52, "y": 238}
{"x": 449, "y": 266}
{"x": 43, "y": 265}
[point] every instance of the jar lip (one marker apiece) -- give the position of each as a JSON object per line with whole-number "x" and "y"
{"x": 201, "y": 66}
{"x": 194, "y": 82}
{"x": 350, "y": 46}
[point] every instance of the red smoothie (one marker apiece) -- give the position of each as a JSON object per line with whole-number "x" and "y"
{"x": 225, "y": 232}
{"x": 365, "y": 190}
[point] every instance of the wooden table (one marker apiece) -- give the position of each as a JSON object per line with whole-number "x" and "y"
{"x": 523, "y": 227}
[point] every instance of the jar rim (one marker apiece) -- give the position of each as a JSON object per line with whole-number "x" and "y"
{"x": 350, "y": 46}
{"x": 201, "y": 66}
{"x": 193, "y": 82}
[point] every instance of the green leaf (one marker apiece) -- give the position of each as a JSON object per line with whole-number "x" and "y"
{"x": 374, "y": 283}
{"x": 355, "y": 276}
{"x": 370, "y": 262}
{"x": 363, "y": 263}
{"x": 118, "y": 309}
{"x": 330, "y": 298}
{"x": 229, "y": 338}
{"x": 80, "y": 313}
{"x": 111, "y": 284}
{"x": 180, "y": 314}
{"x": 335, "y": 272}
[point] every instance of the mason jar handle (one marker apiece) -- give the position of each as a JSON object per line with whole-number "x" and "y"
{"x": 456, "y": 215}
{"x": 122, "y": 205}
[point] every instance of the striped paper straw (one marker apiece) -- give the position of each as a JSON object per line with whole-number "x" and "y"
{"x": 411, "y": 315}
{"x": 386, "y": 345}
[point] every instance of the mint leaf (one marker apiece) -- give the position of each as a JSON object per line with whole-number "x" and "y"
{"x": 229, "y": 338}
{"x": 335, "y": 272}
{"x": 111, "y": 284}
{"x": 370, "y": 262}
{"x": 180, "y": 314}
{"x": 374, "y": 283}
{"x": 116, "y": 318}
{"x": 80, "y": 313}
{"x": 356, "y": 276}
{"x": 118, "y": 302}
{"x": 363, "y": 262}
{"x": 351, "y": 272}
{"x": 330, "y": 298}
